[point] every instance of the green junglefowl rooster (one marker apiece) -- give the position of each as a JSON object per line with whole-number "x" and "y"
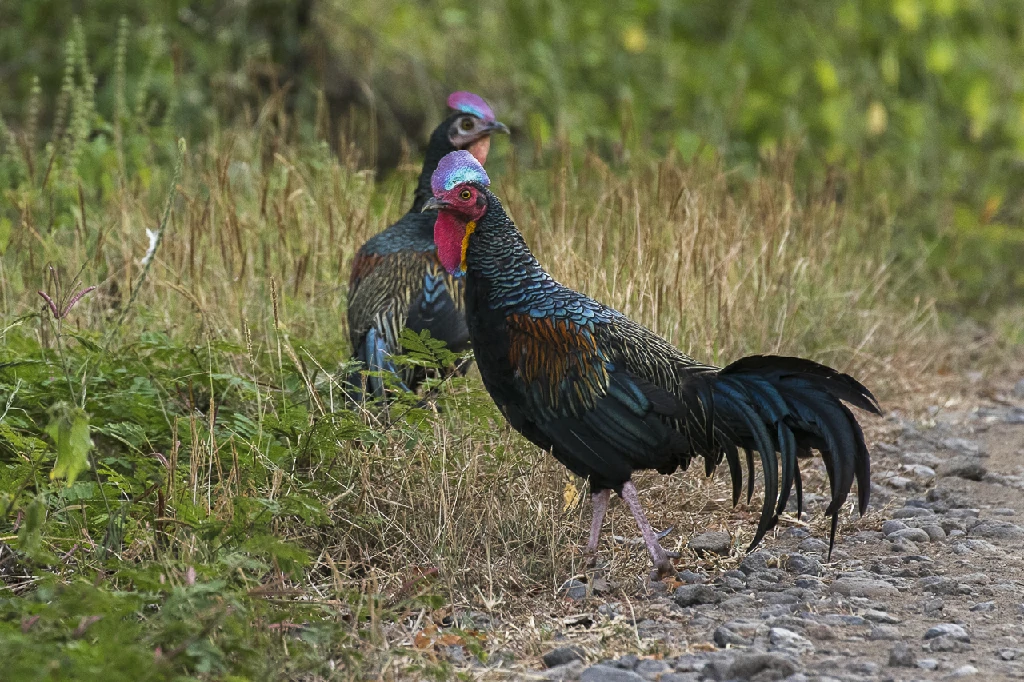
{"x": 396, "y": 279}
{"x": 608, "y": 397}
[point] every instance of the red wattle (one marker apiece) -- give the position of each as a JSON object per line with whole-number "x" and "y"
{"x": 449, "y": 231}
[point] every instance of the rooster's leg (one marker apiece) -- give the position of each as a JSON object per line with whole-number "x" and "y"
{"x": 600, "y": 503}
{"x": 658, "y": 555}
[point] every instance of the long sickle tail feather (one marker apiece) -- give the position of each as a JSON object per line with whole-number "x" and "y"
{"x": 781, "y": 407}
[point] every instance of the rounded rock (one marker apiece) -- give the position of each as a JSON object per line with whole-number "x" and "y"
{"x": 802, "y": 565}
{"x": 714, "y": 542}
{"x": 606, "y": 673}
{"x": 573, "y": 589}
{"x": 953, "y": 630}
{"x": 688, "y": 595}
{"x": 891, "y": 526}
{"x": 562, "y": 655}
{"x": 912, "y": 534}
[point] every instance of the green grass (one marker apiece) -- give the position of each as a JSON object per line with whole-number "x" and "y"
{"x": 237, "y": 517}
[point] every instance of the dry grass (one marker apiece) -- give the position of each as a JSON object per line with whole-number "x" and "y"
{"x": 448, "y": 502}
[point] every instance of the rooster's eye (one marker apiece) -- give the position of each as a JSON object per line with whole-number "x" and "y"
{"x": 465, "y": 195}
{"x": 467, "y": 124}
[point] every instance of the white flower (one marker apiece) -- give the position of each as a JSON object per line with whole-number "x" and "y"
{"x": 154, "y": 237}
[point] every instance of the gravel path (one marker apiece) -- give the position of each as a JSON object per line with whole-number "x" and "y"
{"x": 933, "y": 594}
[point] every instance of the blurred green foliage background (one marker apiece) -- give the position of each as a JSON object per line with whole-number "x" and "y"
{"x": 917, "y": 106}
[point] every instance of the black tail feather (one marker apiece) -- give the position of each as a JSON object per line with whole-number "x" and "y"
{"x": 781, "y": 407}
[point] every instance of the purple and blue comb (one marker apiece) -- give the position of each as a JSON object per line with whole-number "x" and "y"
{"x": 468, "y": 103}
{"x": 456, "y": 168}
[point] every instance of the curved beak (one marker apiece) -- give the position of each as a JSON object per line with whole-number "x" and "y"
{"x": 434, "y": 204}
{"x": 496, "y": 127}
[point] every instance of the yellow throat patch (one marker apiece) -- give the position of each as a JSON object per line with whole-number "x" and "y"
{"x": 470, "y": 227}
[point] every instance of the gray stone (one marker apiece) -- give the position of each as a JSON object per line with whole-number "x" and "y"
{"x": 920, "y": 471}
{"x": 843, "y": 619}
{"x": 984, "y": 606}
{"x": 724, "y": 636}
{"x": 928, "y": 664}
{"x": 690, "y": 663}
{"x": 715, "y": 542}
{"x": 651, "y": 669}
{"x": 627, "y": 662}
{"x": 776, "y": 611}
{"x": 912, "y": 534}
{"x": 863, "y": 587}
{"x": 680, "y": 677}
{"x": 937, "y": 584}
{"x": 912, "y": 513}
{"x": 569, "y": 672}
{"x": 813, "y": 545}
{"x": 736, "y": 603}
{"x": 1009, "y": 654}
{"x": 962, "y": 466}
{"x": 765, "y": 666}
{"x": 690, "y": 578}
{"x": 964, "y": 671}
{"x": 961, "y": 445}
{"x": 946, "y": 643}
{"x": 900, "y": 483}
{"x": 782, "y": 639}
{"x": 606, "y": 673}
{"x": 880, "y": 617}
{"x": 1018, "y": 389}
{"x": 573, "y": 589}
{"x": 562, "y": 655}
{"x": 754, "y": 562}
{"x": 819, "y": 631}
{"x": 975, "y": 579}
{"x": 886, "y": 633}
{"x": 935, "y": 533}
{"x": 900, "y": 656}
{"x": 688, "y": 595}
{"x": 891, "y": 526}
{"x": 864, "y": 668}
{"x": 932, "y": 606}
{"x": 904, "y": 545}
{"x": 953, "y": 630}
{"x": 997, "y": 530}
{"x": 802, "y": 565}
{"x": 731, "y": 583}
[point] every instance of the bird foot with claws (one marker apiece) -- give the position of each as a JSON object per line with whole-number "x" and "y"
{"x": 662, "y": 570}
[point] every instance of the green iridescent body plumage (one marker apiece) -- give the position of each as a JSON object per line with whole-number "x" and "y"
{"x": 608, "y": 397}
